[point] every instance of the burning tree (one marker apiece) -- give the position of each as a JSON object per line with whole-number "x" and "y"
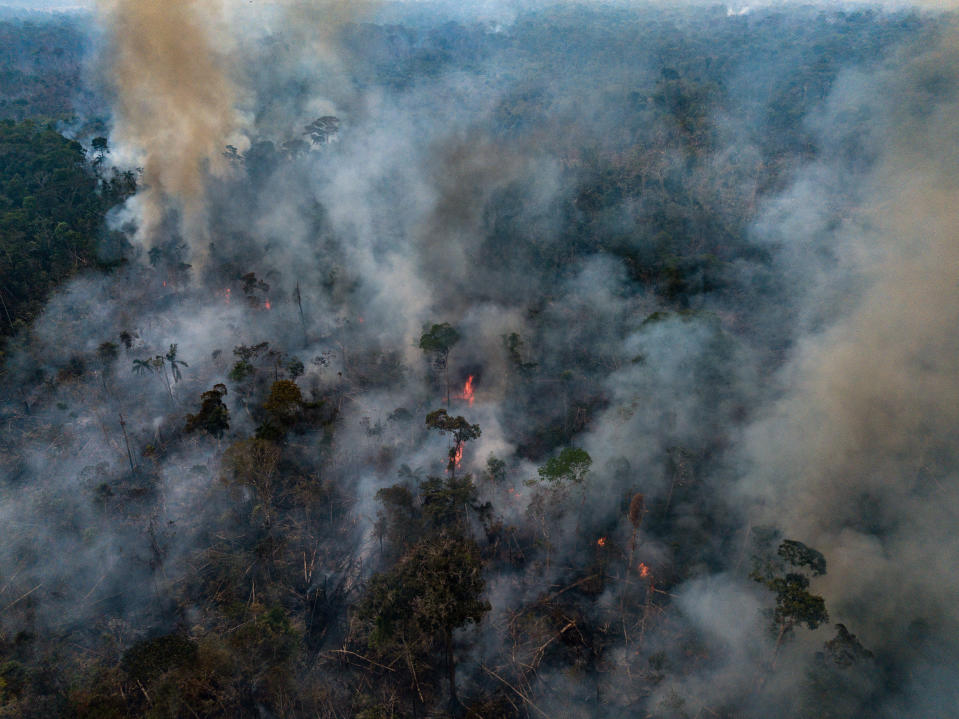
{"x": 460, "y": 432}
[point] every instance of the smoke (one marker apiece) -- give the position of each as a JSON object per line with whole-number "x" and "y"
{"x": 859, "y": 457}
{"x": 175, "y": 100}
{"x": 809, "y": 384}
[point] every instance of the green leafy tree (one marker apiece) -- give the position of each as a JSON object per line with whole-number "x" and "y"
{"x": 459, "y": 430}
{"x": 795, "y": 604}
{"x": 570, "y": 466}
{"x": 551, "y": 491}
{"x": 433, "y": 591}
{"x": 244, "y": 368}
{"x": 213, "y": 417}
{"x": 101, "y": 149}
{"x": 437, "y": 341}
{"x": 447, "y": 500}
{"x": 284, "y": 407}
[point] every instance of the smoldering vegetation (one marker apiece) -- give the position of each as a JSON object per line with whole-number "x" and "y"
{"x": 681, "y": 279}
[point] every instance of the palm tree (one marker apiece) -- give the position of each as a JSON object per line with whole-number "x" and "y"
{"x": 175, "y": 363}
{"x": 159, "y": 366}
{"x": 142, "y": 365}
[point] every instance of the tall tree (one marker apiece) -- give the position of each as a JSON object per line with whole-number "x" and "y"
{"x": 213, "y": 416}
{"x": 433, "y": 591}
{"x": 459, "y": 430}
{"x": 437, "y": 341}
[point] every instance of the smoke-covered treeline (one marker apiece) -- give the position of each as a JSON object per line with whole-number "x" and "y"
{"x": 567, "y": 361}
{"x": 41, "y": 66}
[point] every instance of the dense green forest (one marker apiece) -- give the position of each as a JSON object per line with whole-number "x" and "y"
{"x": 573, "y": 362}
{"x": 53, "y": 205}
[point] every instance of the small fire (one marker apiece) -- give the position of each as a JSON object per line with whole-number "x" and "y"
{"x": 456, "y": 456}
{"x": 644, "y": 571}
{"x": 601, "y": 542}
{"x": 226, "y": 295}
{"x": 468, "y": 391}
{"x": 267, "y": 305}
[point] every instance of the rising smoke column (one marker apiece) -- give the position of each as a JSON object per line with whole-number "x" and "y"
{"x": 860, "y": 458}
{"x": 175, "y": 101}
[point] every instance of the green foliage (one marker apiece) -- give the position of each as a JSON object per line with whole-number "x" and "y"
{"x": 213, "y": 417}
{"x": 457, "y": 427}
{"x": 295, "y": 368}
{"x": 241, "y": 370}
{"x": 459, "y": 430}
{"x": 842, "y": 682}
{"x": 495, "y": 469}
{"x": 13, "y": 678}
{"x": 845, "y": 650}
{"x": 285, "y": 401}
{"x": 51, "y": 217}
{"x": 795, "y": 605}
{"x": 447, "y": 499}
{"x": 323, "y": 129}
{"x": 108, "y": 351}
{"x": 143, "y": 366}
{"x": 399, "y": 521}
{"x": 244, "y": 368}
{"x": 571, "y": 466}
{"x": 435, "y": 589}
{"x": 799, "y": 555}
{"x": 175, "y": 364}
{"x": 284, "y": 407}
{"x": 253, "y": 463}
{"x": 439, "y": 339}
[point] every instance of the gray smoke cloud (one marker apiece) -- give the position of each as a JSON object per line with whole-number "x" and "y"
{"x": 858, "y": 457}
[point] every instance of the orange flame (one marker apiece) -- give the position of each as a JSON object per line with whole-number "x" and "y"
{"x": 456, "y": 456}
{"x": 267, "y": 305}
{"x": 601, "y": 542}
{"x": 644, "y": 571}
{"x": 468, "y": 391}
